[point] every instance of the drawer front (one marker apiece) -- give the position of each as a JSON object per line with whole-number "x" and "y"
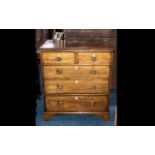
{"x": 76, "y": 86}
{"x": 95, "y": 58}
{"x": 74, "y": 72}
{"x": 77, "y": 103}
{"x": 57, "y": 58}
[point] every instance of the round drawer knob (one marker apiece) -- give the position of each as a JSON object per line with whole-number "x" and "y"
{"x": 94, "y": 58}
{"x": 58, "y": 58}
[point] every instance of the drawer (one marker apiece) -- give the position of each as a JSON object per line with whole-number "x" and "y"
{"x": 57, "y": 58}
{"x": 95, "y": 58}
{"x": 76, "y": 86}
{"x": 76, "y": 103}
{"x": 74, "y": 72}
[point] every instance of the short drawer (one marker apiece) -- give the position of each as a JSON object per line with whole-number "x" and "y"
{"x": 57, "y": 58}
{"x": 76, "y": 86}
{"x": 74, "y": 72}
{"x": 95, "y": 58}
{"x": 76, "y": 103}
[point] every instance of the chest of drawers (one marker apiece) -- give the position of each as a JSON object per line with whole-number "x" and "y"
{"x": 75, "y": 79}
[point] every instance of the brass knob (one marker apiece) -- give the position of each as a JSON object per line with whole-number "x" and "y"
{"x": 58, "y": 58}
{"x": 59, "y": 86}
{"x": 60, "y": 103}
{"x": 58, "y": 71}
{"x": 93, "y": 58}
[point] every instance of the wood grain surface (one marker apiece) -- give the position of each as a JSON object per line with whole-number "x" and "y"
{"x": 76, "y": 86}
{"x": 76, "y": 72}
{"x": 76, "y": 103}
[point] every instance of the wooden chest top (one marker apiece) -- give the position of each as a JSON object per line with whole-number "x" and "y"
{"x": 63, "y": 46}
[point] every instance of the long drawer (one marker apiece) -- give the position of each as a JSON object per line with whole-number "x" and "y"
{"x": 76, "y": 103}
{"x": 72, "y": 72}
{"x": 76, "y": 86}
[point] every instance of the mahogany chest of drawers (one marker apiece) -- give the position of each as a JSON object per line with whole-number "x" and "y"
{"x": 75, "y": 79}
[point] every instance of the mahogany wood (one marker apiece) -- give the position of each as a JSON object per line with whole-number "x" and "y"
{"x": 76, "y": 79}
